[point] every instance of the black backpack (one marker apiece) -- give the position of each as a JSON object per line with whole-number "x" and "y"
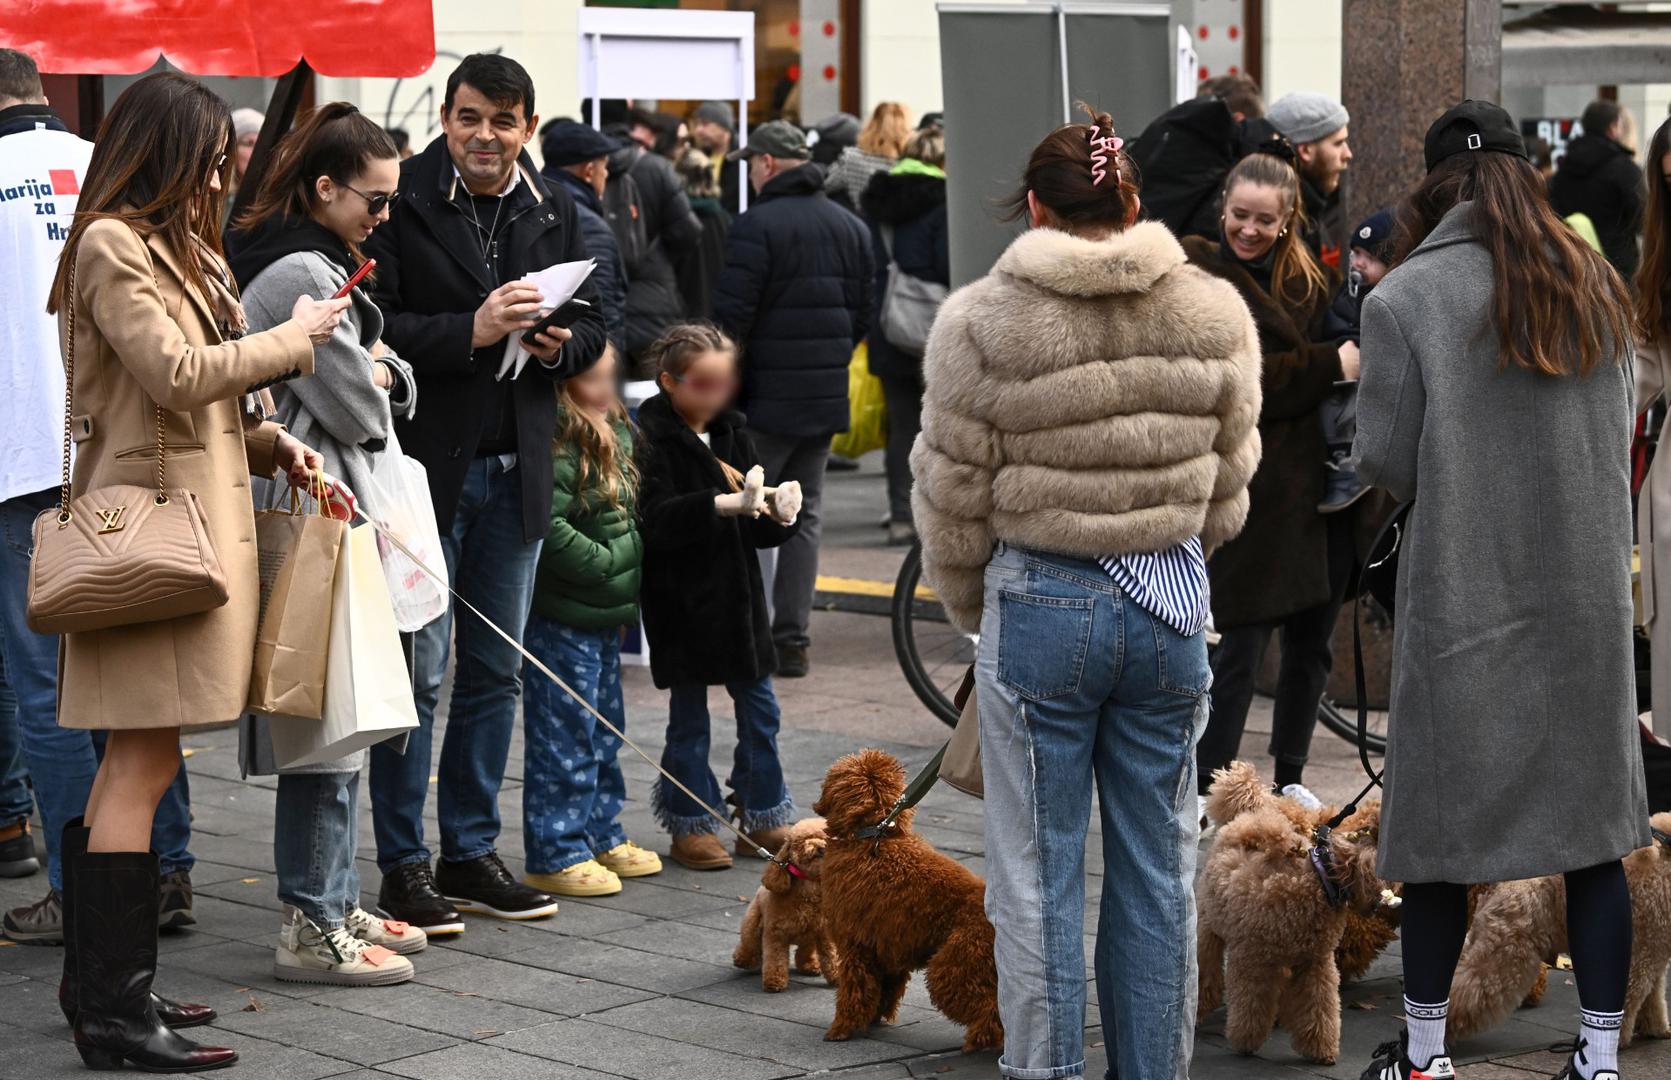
{"x": 623, "y": 208}
{"x": 1183, "y": 158}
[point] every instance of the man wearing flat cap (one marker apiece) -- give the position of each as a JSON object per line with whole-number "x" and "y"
{"x": 577, "y": 161}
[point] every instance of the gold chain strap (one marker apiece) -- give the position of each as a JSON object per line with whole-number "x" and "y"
{"x": 69, "y": 403}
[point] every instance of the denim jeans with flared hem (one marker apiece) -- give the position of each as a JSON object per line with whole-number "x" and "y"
{"x": 1079, "y": 686}
{"x": 573, "y": 791}
{"x": 315, "y": 835}
{"x": 756, "y": 779}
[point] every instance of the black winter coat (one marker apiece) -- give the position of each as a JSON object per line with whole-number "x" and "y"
{"x": 610, "y": 276}
{"x": 914, "y": 206}
{"x": 654, "y": 302}
{"x": 1325, "y": 225}
{"x": 703, "y": 601}
{"x": 700, "y": 266}
{"x": 431, "y": 278}
{"x": 796, "y": 295}
{"x": 1600, "y": 179}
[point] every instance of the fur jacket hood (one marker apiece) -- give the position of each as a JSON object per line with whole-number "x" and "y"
{"x": 1086, "y": 398}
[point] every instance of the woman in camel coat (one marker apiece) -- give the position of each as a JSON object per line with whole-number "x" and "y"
{"x": 1653, "y": 366}
{"x": 157, "y": 325}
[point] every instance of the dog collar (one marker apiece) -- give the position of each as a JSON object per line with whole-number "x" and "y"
{"x": 1322, "y": 864}
{"x": 795, "y": 871}
{"x": 1662, "y": 837}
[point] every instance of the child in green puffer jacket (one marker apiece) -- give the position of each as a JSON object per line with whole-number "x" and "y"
{"x": 585, "y": 592}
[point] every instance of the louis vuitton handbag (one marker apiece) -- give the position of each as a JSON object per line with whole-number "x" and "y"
{"x": 122, "y": 554}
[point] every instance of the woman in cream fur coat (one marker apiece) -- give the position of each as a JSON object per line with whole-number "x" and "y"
{"x": 1089, "y": 430}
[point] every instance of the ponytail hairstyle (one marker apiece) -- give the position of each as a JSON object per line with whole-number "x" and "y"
{"x": 676, "y": 350}
{"x": 1653, "y": 280}
{"x": 1081, "y": 174}
{"x": 336, "y": 140}
{"x": 1296, "y": 276}
{"x": 604, "y": 468}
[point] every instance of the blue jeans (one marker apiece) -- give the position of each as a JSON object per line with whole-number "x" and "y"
{"x": 493, "y": 569}
{"x": 1077, "y": 684}
{"x": 314, "y": 844}
{"x": 573, "y": 789}
{"x": 61, "y": 761}
{"x": 756, "y": 780}
{"x": 16, "y": 803}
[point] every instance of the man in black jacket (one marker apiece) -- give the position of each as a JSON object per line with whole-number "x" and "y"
{"x": 671, "y": 228}
{"x": 577, "y": 160}
{"x": 1317, "y": 126}
{"x": 796, "y": 295}
{"x": 1599, "y": 178}
{"x": 473, "y": 218}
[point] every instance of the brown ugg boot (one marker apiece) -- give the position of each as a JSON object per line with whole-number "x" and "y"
{"x": 770, "y": 839}
{"x": 700, "y": 851}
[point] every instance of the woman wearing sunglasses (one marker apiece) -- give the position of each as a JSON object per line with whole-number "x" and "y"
{"x": 329, "y": 185}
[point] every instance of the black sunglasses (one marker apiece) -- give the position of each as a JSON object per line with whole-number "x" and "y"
{"x": 375, "y": 203}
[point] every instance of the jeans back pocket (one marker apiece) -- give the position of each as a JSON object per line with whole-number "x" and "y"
{"x": 1042, "y": 642}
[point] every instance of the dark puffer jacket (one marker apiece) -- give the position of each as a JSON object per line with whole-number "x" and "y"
{"x": 590, "y": 564}
{"x": 704, "y": 604}
{"x": 912, "y": 202}
{"x": 1599, "y": 178}
{"x": 796, "y": 295}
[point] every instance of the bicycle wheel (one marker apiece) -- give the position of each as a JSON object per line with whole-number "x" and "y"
{"x": 1345, "y": 724}
{"x": 932, "y": 653}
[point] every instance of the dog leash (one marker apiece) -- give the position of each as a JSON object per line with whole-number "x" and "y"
{"x": 539, "y": 665}
{"x": 910, "y": 797}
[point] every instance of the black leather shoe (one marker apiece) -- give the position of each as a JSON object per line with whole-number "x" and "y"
{"x": 114, "y": 927}
{"x": 484, "y": 886}
{"x": 17, "y": 850}
{"x": 792, "y": 662}
{"x": 176, "y": 1014}
{"x": 409, "y": 895}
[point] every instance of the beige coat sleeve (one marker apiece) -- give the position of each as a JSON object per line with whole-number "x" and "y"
{"x": 953, "y": 465}
{"x": 1650, "y": 373}
{"x": 1237, "y": 444}
{"x": 115, "y": 279}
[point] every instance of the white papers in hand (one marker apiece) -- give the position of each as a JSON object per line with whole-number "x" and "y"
{"x": 557, "y": 285}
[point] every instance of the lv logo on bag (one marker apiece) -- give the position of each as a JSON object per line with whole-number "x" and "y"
{"x": 111, "y": 519}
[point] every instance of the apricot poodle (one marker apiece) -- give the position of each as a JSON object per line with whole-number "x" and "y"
{"x": 785, "y": 912}
{"x": 896, "y": 905}
{"x": 1519, "y": 926}
{"x": 1267, "y": 932}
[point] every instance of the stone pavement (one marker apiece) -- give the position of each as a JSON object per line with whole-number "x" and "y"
{"x": 640, "y": 985}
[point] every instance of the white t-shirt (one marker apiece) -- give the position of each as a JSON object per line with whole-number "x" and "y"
{"x": 41, "y": 171}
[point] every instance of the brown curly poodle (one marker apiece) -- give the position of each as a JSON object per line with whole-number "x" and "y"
{"x": 894, "y": 906}
{"x": 1267, "y": 934}
{"x": 1519, "y": 926}
{"x": 785, "y": 911}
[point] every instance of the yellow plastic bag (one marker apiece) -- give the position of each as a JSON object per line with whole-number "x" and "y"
{"x": 867, "y": 429}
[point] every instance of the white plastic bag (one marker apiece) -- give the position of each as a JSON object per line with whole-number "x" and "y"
{"x": 401, "y": 499}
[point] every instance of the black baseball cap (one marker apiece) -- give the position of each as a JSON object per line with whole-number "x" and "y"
{"x": 1473, "y": 126}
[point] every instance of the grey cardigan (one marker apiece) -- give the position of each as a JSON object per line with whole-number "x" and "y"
{"x": 338, "y": 411}
{"x": 1513, "y": 749}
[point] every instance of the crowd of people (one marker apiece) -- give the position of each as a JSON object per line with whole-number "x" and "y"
{"x": 1127, "y": 430}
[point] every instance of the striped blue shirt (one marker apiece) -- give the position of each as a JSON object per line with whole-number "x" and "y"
{"x": 1171, "y": 585}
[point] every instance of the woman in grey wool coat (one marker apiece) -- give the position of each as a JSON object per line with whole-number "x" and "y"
{"x": 1497, "y": 393}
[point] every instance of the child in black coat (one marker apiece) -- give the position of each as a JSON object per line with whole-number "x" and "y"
{"x": 704, "y": 514}
{"x": 1342, "y": 487}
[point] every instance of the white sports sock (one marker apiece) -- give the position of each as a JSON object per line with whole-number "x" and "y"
{"x": 1426, "y": 1026}
{"x": 1599, "y": 1048}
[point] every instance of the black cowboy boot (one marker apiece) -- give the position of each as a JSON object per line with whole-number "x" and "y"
{"x": 176, "y": 1014}
{"x": 115, "y": 934}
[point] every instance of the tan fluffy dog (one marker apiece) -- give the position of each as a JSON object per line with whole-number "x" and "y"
{"x": 1519, "y": 926}
{"x": 898, "y": 905}
{"x": 1267, "y": 934}
{"x": 785, "y": 912}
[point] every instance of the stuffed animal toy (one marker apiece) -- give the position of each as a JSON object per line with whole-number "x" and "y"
{"x": 1269, "y": 923}
{"x": 1520, "y": 926}
{"x": 893, "y": 904}
{"x": 785, "y": 912}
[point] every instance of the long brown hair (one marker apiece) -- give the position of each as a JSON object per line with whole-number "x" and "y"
{"x": 1558, "y": 306}
{"x": 605, "y": 466}
{"x": 1296, "y": 275}
{"x": 1060, "y": 175}
{"x": 150, "y": 168}
{"x": 1653, "y": 280}
{"x": 336, "y": 140}
{"x": 886, "y": 131}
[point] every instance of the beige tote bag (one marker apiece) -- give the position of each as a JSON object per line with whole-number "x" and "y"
{"x": 961, "y": 767}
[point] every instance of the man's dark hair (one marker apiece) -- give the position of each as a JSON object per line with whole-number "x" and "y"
{"x": 1600, "y": 115}
{"x": 614, "y": 111}
{"x": 400, "y": 138}
{"x": 1541, "y": 153}
{"x": 1239, "y": 93}
{"x": 20, "y": 79}
{"x": 500, "y": 79}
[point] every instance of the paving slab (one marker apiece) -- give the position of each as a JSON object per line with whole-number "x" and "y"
{"x": 357, "y": 1038}
{"x": 744, "y": 1033}
{"x": 531, "y": 986}
{"x": 479, "y": 1060}
{"x": 639, "y": 1056}
{"x": 583, "y": 959}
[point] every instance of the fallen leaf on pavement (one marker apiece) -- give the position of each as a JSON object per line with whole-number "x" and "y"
{"x": 254, "y": 1005}
{"x": 250, "y": 880}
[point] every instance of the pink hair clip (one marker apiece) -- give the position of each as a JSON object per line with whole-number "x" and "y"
{"x": 1102, "y": 149}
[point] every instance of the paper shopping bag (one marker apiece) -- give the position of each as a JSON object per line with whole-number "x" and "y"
{"x": 368, "y": 697}
{"x": 298, "y": 560}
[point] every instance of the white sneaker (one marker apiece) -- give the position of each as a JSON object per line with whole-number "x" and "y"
{"x": 307, "y": 954}
{"x": 1201, "y": 810}
{"x": 392, "y": 934}
{"x": 1301, "y": 794}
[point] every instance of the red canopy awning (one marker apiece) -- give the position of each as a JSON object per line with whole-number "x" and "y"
{"x": 386, "y": 38}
